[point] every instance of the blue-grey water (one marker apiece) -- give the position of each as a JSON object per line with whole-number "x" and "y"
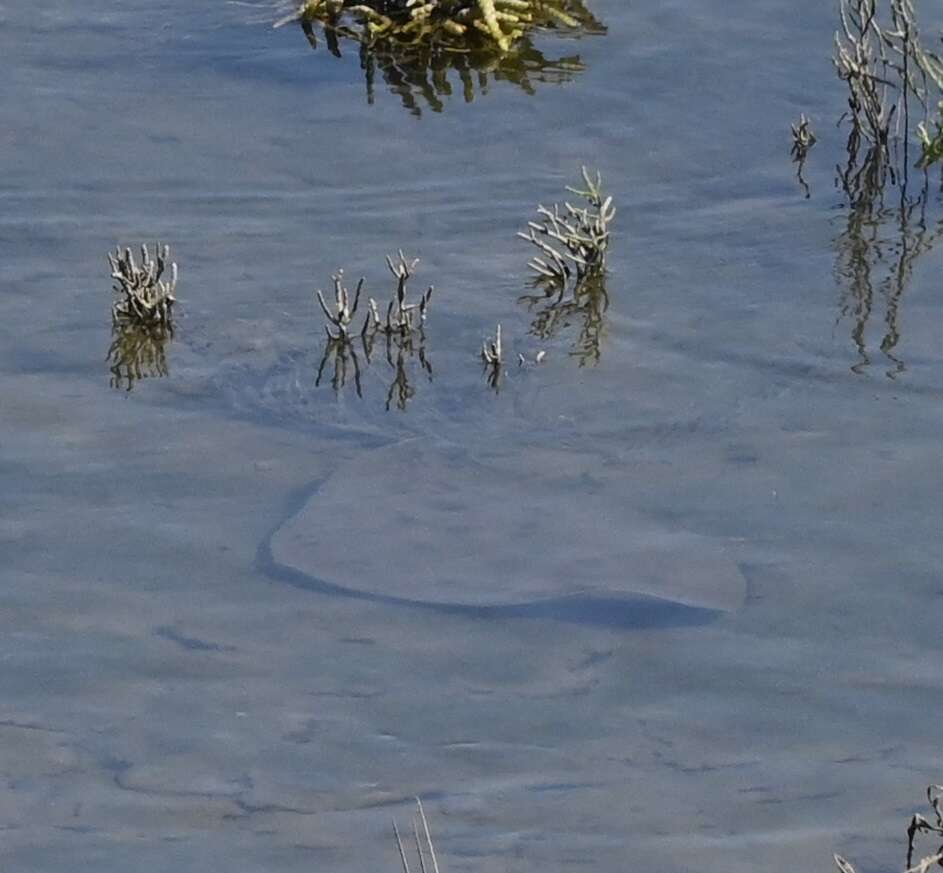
{"x": 185, "y": 685}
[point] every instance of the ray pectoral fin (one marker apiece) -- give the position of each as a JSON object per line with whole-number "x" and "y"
{"x": 497, "y": 538}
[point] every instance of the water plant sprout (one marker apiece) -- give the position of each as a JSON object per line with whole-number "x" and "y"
{"x": 145, "y": 298}
{"x": 402, "y": 317}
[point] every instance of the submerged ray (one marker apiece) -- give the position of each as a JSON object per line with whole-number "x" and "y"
{"x": 426, "y": 523}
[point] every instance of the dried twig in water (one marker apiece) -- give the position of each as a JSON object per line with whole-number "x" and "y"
{"x": 145, "y": 298}
{"x": 425, "y": 849}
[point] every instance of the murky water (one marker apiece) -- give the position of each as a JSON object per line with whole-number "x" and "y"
{"x": 191, "y": 680}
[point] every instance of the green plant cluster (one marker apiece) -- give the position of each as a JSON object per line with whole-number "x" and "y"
{"x": 459, "y": 23}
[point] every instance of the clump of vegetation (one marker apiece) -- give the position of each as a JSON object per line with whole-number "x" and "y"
{"x": 415, "y": 46}
{"x": 141, "y": 315}
{"x": 454, "y": 22}
{"x": 401, "y": 328}
{"x": 918, "y": 825}
{"x": 145, "y": 298}
{"x": 570, "y": 282}
{"x": 424, "y": 847}
{"x": 886, "y": 69}
{"x": 573, "y": 241}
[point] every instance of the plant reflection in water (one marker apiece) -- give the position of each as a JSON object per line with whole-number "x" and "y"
{"x": 344, "y": 359}
{"x": 875, "y": 256}
{"x": 137, "y": 352}
{"x": 554, "y": 311}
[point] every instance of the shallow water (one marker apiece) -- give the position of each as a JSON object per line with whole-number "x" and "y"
{"x": 177, "y": 692}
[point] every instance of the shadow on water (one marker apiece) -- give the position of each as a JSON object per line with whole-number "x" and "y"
{"x": 640, "y": 612}
{"x": 875, "y": 256}
{"x": 427, "y": 69}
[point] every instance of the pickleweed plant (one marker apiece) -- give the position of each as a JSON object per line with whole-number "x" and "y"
{"x": 145, "y": 297}
{"x": 570, "y": 268}
{"x": 572, "y": 240}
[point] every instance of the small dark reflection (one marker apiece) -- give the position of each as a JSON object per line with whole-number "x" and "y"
{"x": 493, "y": 373}
{"x": 405, "y": 349}
{"x": 427, "y": 69}
{"x": 340, "y": 354}
{"x": 876, "y": 251}
{"x": 137, "y": 352}
{"x": 556, "y": 311}
{"x": 342, "y": 357}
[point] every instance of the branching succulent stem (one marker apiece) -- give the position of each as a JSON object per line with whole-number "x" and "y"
{"x": 145, "y": 297}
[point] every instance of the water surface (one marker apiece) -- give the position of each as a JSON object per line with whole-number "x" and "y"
{"x": 175, "y": 695}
